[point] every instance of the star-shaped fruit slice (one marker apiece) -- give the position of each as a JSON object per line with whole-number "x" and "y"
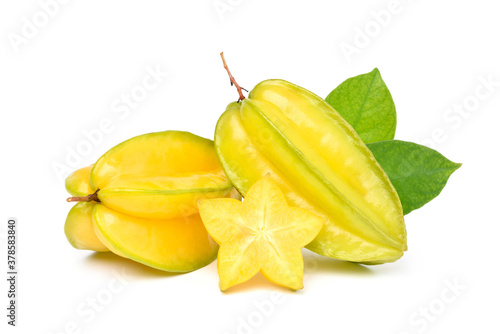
{"x": 262, "y": 233}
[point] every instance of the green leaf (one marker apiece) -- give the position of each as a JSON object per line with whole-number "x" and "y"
{"x": 366, "y": 103}
{"x": 417, "y": 172}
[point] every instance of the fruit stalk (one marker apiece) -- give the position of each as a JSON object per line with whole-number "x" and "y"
{"x": 233, "y": 81}
{"x": 90, "y": 198}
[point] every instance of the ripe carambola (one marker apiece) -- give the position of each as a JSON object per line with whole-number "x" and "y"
{"x": 146, "y": 190}
{"x": 320, "y": 163}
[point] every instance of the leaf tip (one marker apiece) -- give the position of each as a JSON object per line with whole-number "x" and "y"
{"x": 457, "y": 165}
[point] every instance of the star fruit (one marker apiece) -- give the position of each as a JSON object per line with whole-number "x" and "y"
{"x": 262, "y": 233}
{"x": 141, "y": 201}
{"x": 319, "y": 162}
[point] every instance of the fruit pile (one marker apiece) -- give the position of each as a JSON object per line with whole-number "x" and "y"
{"x": 310, "y": 176}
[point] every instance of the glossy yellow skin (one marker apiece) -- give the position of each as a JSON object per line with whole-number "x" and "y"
{"x": 148, "y": 188}
{"x": 78, "y": 184}
{"x": 159, "y": 175}
{"x": 181, "y": 244}
{"x": 79, "y": 229}
{"x": 321, "y": 165}
{"x": 78, "y": 226}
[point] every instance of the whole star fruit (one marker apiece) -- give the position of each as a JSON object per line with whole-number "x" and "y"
{"x": 144, "y": 193}
{"x": 262, "y": 233}
{"x": 320, "y": 163}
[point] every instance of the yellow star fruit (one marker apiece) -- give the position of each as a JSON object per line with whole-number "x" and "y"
{"x": 263, "y": 233}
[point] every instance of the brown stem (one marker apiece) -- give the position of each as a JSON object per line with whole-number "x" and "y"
{"x": 233, "y": 82}
{"x": 89, "y": 198}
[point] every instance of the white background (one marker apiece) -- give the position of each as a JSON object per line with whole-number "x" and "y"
{"x": 70, "y": 75}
